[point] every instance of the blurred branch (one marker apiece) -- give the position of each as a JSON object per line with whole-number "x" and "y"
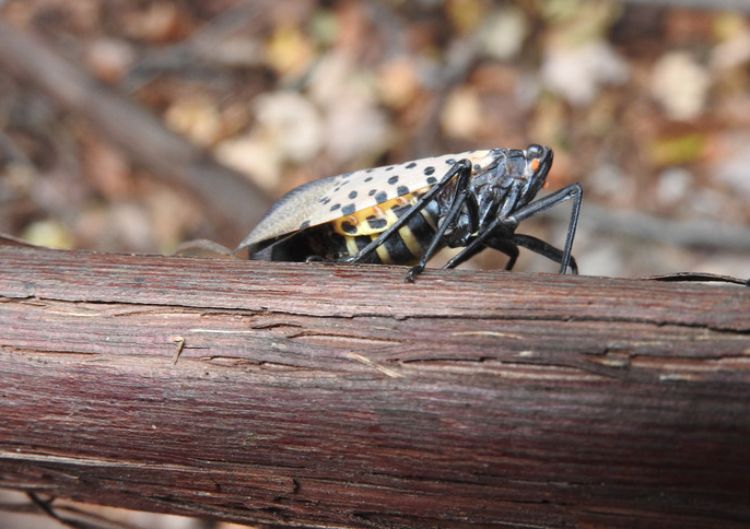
{"x": 695, "y": 233}
{"x": 720, "y": 5}
{"x": 232, "y": 199}
{"x": 201, "y": 48}
{"x": 461, "y": 57}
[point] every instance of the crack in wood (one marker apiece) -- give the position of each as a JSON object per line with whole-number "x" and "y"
{"x": 331, "y": 337}
{"x": 226, "y": 360}
{"x": 40, "y": 352}
{"x": 745, "y": 330}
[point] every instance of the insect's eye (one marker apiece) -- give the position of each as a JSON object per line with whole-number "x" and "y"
{"x": 535, "y": 151}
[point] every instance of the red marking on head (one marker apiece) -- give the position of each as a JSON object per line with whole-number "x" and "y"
{"x": 534, "y": 164}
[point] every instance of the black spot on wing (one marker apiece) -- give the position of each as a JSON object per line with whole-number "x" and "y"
{"x": 411, "y": 165}
{"x": 402, "y": 190}
{"x": 353, "y": 195}
{"x": 392, "y": 180}
{"x": 376, "y": 222}
{"x": 348, "y": 227}
{"x": 432, "y": 180}
{"x": 429, "y": 170}
{"x": 349, "y": 209}
{"x": 304, "y": 225}
{"x": 382, "y": 196}
{"x": 335, "y": 207}
{"x": 368, "y": 179}
{"x": 372, "y": 192}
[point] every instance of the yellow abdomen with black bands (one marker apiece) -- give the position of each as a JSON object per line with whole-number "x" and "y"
{"x": 403, "y": 247}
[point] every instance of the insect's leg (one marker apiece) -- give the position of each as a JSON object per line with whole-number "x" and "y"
{"x": 501, "y": 244}
{"x": 544, "y": 248}
{"x": 479, "y": 243}
{"x": 574, "y": 192}
{"x": 508, "y": 225}
{"x": 459, "y": 199}
{"x": 509, "y": 246}
{"x": 462, "y": 167}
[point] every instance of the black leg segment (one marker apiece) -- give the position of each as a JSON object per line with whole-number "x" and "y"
{"x": 457, "y": 203}
{"x": 501, "y": 244}
{"x": 547, "y": 250}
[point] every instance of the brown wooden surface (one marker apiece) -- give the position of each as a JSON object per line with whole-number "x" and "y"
{"x": 311, "y": 395}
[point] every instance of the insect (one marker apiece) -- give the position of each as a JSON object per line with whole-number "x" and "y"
{"x": 403, "y": 214}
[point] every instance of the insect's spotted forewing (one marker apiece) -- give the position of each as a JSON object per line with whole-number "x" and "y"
{"x": 330, "y": 198}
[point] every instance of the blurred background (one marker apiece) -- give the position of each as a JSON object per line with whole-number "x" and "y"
{"x": 647, "y": 104}
{"x": 110, "y": 108}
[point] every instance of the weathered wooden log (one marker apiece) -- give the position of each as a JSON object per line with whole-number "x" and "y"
{"x": 313, "y": 395}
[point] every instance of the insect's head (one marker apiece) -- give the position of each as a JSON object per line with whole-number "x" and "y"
{"x": 538, "y": 162}
{"x": 511, "y": 179}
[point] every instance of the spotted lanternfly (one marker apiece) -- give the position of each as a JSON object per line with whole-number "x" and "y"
{"x": 403, "y": 214}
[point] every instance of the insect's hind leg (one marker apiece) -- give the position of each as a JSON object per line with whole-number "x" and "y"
{"x": 509, "y": 246}
{"x": 501, "y": 244}
{"x": 547, "y": 250}
{"x": 462, "y": 167}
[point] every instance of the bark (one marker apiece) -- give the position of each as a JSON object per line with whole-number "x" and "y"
{"x": 313, "y": 395}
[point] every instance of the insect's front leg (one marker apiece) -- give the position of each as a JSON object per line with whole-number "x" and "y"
{"x": 462, "y": 166}
{"x": 503, "y": 228}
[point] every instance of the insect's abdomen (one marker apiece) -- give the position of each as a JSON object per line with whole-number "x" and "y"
{"x": 346, "y": 236}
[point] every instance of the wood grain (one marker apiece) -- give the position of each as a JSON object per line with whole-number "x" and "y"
{"x": 313, "y": 395}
